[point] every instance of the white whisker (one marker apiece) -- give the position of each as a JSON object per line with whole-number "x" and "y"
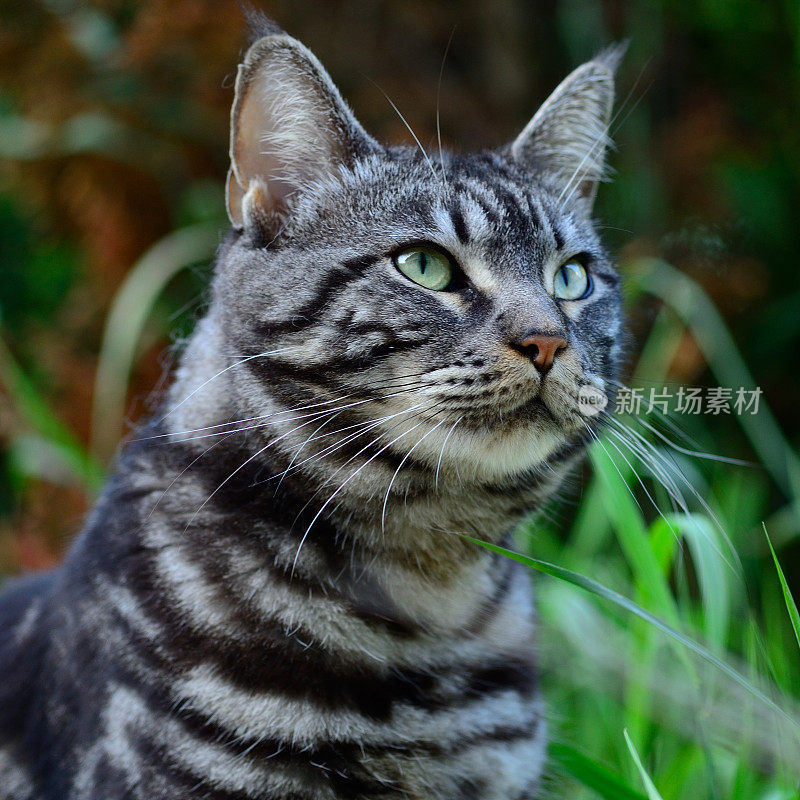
{"x": 441, "y": 452}
{"x": 644, "y": 488}
{"x": 313, "y": 415}
{"x": 400, "y": 466}
{"x": 392, "y": 383}
{"x": 354, "y": 473}
{"x": 696, "y": 453}
{"x": 614, "y": 463}
{"x": 658, "y": 462}
{"x": 242, "y": 466}
{"x": 217, "y": 375}
{"x": 438, "y": 99}
{"x": 411, "y": 131}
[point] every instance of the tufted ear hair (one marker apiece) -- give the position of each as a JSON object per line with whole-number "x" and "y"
{"x": 567, "y": 139}
{"x": 289, "y": 127}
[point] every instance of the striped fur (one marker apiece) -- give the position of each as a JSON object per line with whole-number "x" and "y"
{"x": 271, "y": 599}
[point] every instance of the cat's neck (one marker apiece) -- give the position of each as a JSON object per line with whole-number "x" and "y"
{"x": 214, "y": 528}
{"x": 389, "y": 534}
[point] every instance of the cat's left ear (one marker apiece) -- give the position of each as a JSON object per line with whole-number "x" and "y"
{"x": 567, "y": 139}
{"x": 289, "y": 127}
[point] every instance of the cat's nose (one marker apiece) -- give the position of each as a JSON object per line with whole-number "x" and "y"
{"x": 541, "y": 348}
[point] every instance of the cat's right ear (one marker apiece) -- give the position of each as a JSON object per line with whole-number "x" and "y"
{"x": 289, "y": 127}
{"x": 567, "y": 139}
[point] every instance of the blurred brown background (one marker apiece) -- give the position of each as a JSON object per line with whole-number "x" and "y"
{"x": 113, "y": 133}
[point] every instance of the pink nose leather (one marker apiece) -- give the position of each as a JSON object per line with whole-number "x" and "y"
{"x": 542, "y": 349}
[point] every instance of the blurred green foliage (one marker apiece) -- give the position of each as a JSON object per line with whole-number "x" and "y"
{"x": 113, "y": 140}
{"x": 36, "y": 274}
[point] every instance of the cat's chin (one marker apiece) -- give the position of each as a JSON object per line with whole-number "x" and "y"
{"x": 516, "y": 444}
{"x": 499, "y": 455}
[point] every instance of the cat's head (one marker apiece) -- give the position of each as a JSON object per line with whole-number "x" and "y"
{"x": 459, "y": 305}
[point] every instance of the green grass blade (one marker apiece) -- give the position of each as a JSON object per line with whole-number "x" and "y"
{"x": 660, "y": 348}
{"x": 126, "y": 320}
{"x": 592, "y": 586}
{"x": 631, "y": 529}
{"x": 592, "y": 774}
{"x": 40, "y": 417}
{"x": 714, "y": 572}
{"x": 791, "y": 606}
{"x": 650, "y": 787}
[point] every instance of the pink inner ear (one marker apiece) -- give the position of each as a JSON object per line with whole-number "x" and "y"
{"x": 284, "y": 132}
{"x": 252, "y": 155}
{"x": 290, "y": 126}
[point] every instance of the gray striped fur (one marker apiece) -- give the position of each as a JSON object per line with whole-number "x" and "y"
{"x": 272, "y": 598}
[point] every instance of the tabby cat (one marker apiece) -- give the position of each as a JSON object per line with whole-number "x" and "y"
{"x": 274, "y": 597}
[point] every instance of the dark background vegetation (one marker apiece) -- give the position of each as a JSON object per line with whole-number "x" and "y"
{"x": 113, "y": 133}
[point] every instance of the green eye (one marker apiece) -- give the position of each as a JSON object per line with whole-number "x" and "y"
{"x": 425, "y": 266}
{"x": 572, "y": 282}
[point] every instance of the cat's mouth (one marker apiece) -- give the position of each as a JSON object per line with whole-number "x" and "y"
{"x": 537, "y": 410}
{"x": 516, "y": 396}
{"x": 517, "y": 406}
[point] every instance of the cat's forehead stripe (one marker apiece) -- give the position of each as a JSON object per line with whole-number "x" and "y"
{"x": 478, "y": 223}
{"x": 495, "y": 203}
{"x": 459, "y": 223}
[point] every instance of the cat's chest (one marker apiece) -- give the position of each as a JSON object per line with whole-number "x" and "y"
{"x": 373, "y": 710}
